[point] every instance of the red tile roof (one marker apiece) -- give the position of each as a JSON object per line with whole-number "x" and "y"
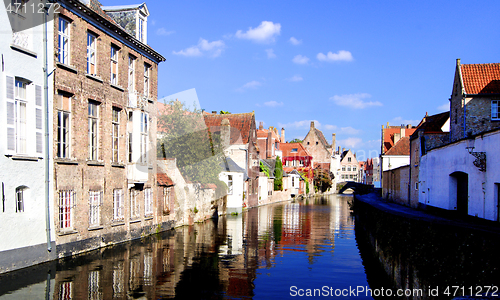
{"x": 241, "y": 125}
{"x": 163, "y": 179}
{"x": 481, "y": 78}
{"x": 402, "y": 147}
{"x": 389, "y": 132}
{"x": 286, "y": 149}
{"x": 434, "y": 123}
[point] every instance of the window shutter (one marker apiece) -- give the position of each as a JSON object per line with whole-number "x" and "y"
{"x": 39, "y": 119}
{"x": 11, "y": 114}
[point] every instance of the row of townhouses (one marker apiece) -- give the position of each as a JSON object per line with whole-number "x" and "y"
{"x": 79, "y": 92}
{"x": 451, "y": 157}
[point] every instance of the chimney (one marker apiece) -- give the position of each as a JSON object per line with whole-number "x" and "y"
{"x": 397, "y": 137}
{"x": 333, "y": 141}
{"x": 283, "y": 135}
{"x": 261, "y": 125}
{"x": 312, "y": 124}
{"x": 403, "y": 131}
{"x": 225, "y": 133}
{"x": 343, "y": 149}
{"x": 269, "y": 144}
{"x": 387, "y": 125}
{"x": 214, "y": 112}
{"x": 338, "y": 151}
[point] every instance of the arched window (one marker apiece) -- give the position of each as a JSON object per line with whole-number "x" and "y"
{"x": 20, "y": 196}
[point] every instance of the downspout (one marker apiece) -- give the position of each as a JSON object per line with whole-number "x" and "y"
{"x": 47, "y": 136}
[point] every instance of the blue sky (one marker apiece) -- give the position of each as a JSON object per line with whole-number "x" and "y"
{"x": 351, "y": 66}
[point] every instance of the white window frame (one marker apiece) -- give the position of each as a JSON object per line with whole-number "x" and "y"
{"x": 135, "y": 212}
{"x": 148, "y": 202}
{"x": 115, "y": 135}
{"x": 131, "y": 73}
{"x": 63, "y": 137}
{"x": 20, "y": 196}
{"x": 91, "y": 54}
{"x": 166, "y": 198}
{"x": 17, "y": 115}
{"x": 63, "y": 55}
{"x": 118, "y": 207}
{"x": 144, "y": 137}
{"x": 114, "y": 65}
{"x": 147, "y": 69}
{"x": 93, "y": 285}
{"x": 93, "y": 129}
{"x": 495, "y": 110}
{"x": 66, "y": 204}
{"x": 95, "y": 201}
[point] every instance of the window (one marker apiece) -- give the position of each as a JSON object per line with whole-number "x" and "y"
{"x": 134, "y": 205}
{"x": 495, "y": 110}
{"x": 114, "y": 65}
{"x": 293, "y": 181}
{"x": 348, "y": 159}
{"x": 348, "y": 168}
{"x": 295, "y": 150}
{"x": 66, "y": 290}
{"x": 16, "y": 115}
{"x": 115, "y": 134}
{"x": 20, "y": 193}
{"x": 343, "y": 168}
{"x": 131, "y": 73}
{"x": 230, "y": 184}
{"x": 354, "y": 168}
{"x": 93, "y": 287}
{"x": 93, "y": 116}
{"x": 118, "y": 204}
{"x": 144, "y": 137}
{"x": 141, "y": 36}
{"x": 148, "y": 202}
{"x": 91, "y": 53}
{"x": 95, "y": 198}
{"x": 66, "y": 203}
{"x": 63, "y": 42}
{"x": 146, "y": 79}
{"x": 167, "y": 194}
{"x": 63, "y": 126}
{"x": 416, "y": 186}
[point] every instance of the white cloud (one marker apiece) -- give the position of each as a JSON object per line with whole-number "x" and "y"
{"x": 300, "y": 60}
{"x": 273, "y": 103}
{"x": 354, "y": 100}
{"x": 270, "y": 53}
{"x": 265, "y": 33}
{"x": 349, "y": 130}
{"x": 300, "y": 124}
{"x": 330, "y": 127}
{"x": 295, "y": 78}
{"x": 351, "y": 142}
{"x": 399, "y": 121}
{"x": 204, "y": 47}
{"x": 444, "y": 107}
{"x": 162, "y": 31}
{"x": 342, "y": 55}
{"x": 295, "y": 41}
{"x": 249, "y": 85}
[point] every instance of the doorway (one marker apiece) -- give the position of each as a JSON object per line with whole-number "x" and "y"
{"x": 459, "y": 192}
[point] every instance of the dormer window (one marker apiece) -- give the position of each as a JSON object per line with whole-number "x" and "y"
{"x": 295, "y": 150}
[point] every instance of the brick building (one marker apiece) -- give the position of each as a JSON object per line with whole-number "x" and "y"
{"x": 269, "y": 141}
{"x": 105, "y": 94}
{"x": 317, "y": 145}
{"x": 474, "y": 102}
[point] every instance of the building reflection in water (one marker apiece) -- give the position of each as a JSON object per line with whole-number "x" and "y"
{"x": 216, "y": 259}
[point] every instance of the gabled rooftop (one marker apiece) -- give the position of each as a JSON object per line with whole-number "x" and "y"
{"x": 481, "y": 78}
{"x": 241, "y": 125}
{"x": 294, "y": 149}
{"x": 402, "y": 147}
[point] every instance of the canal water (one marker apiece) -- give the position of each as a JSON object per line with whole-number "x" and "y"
{"x": 309, "y": 248}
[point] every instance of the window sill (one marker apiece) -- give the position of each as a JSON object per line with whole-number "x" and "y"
{"x": 66, "y": 67}
{"x": 66, "y": 232}
{"x": 117, "y": 87}
{"x": 118, "y": 165}
{"x": 95, "y": 228}
{"x": 117, "y": 223}
{"x": 23, "y": 157}
{"x": 135, "y": 221}
{"x": 97, "y": 163}
{"x": 147, "y": 218}
{"x": 65, "y": 161}
{"x": 23, "y": 50}
{"x": 93, "y": 77}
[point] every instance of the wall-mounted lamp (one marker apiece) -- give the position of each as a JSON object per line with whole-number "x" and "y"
{"x": 480, "y": 161}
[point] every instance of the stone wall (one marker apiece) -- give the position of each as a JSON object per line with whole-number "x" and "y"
{"x": 395, "y": 186}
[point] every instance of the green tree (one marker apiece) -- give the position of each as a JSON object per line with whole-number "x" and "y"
{"x": 322, "y": 180}
{"x": 278, "y": 175}
{"x": 296, "y": 141}
{"x": 198, "y": 153}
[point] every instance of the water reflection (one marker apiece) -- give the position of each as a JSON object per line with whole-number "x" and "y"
{"x": 262, "y": 253}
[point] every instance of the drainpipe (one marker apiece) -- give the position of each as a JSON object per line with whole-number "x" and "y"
{"x": 465, "y": 118}
{"x": 47, "y": 136}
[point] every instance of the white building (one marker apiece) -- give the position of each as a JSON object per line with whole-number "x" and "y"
{"x": 234, "y": 177}
{"x": 26, "y": 223}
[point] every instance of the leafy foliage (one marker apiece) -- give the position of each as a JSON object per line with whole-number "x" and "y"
{"x": 296, "y": 141}
{"x": 278, "y": 175}
{"x": 322, "y": 180}
{"x": 197, "y": 152}
{"x": 265, "y": 169}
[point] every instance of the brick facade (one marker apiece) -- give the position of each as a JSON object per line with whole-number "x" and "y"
{"x": 81, "y": 170}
